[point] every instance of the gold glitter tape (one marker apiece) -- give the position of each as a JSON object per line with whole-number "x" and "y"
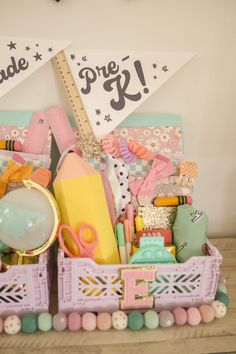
{"x": 157, "y": 217}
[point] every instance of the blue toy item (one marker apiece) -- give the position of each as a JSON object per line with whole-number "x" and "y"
{"x": 152, "y": 251}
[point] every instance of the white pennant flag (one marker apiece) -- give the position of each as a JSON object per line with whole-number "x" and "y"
{"x": 21, "y": 56}
{"x": 113, "y": 84}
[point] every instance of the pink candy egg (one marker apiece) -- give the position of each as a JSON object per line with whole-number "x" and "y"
{"x": 89, "y": 321}
{"x": 104, "y": 321}
{"x": 74, "y": 321}
{"x": 180, "y": 316}
{"x": 207, "y": 313}
{"x": 166, "y": 319}
{"x": 194, "y": 316}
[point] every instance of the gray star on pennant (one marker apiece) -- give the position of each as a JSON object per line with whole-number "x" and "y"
{"x": 37, "y": 56}
{"x": 164, "y": 68}
{"x": 12, "y": 45}
{"x": 108, "y": 118}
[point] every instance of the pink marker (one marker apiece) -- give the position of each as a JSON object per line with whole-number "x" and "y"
{"x": 130, "y": 216}
{"x": 128, "y": 237}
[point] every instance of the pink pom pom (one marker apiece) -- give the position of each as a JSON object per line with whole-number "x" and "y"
{"x": 125, "y": 153}
{"x": 110, "y": 145}
{"x": 140, "y": 151}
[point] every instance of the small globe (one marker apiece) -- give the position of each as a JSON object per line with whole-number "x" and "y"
{"x": 26, "y": 219}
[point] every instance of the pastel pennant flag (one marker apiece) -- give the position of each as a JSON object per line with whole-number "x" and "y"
{"x": 21, "y": 56}
{"x": 113, "y": 84}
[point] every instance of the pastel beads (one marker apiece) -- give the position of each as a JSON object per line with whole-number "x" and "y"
{"x": 135, "y": 320}
{"x": 207, "y": 313}
{"x": 1, "y": 325}
{"x": 151, "y": 319}
{"x": 221, "y": 287}
{"x": 104, "y": 321}
{"x": 110, "y": 145}
{"x": 89, "y": 321}
{"x": 126, "y": 154}
{"x": 180, "y": 316}
{"x": 166, "y": 319}
{"x": 194, "y": 316}
{"x": 219, "y": 309}
{"x": 119, "y": 320}
{"x": 139, "y": 150}
{"x": 74, "y": 321}
{"x": 222, "y": 297}
{"x": 45, "y": 321}
{"x": 12, "y": 324}
{"x": 29, "y": 323}
{"x": 59, "y": 322}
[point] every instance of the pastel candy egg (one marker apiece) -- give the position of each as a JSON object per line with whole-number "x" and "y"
{"x": 59, "y": 321}
{"x": 45, "y": 321}
{"x": 89, "y": 321}
{"x": 166, "y": 319}
{"x": 74, "y": 321}
{"x": 180, "y": 316}
{"x": 29, "y": 323}
{"x": 222, "y": 287}
{"x": 194, "y": 316}
{"x": 119, "y": 320}
{"x": 222, "y": 297}
{"x": 12, "y": 324}
{"x": 207, "y": 313}
{"x": 104, "y": 321}
{"x": 219, "y": 308}
{"x": 151, "y": 319}
{"x": 135, "y": 320}
{"x": 1, "y": 325}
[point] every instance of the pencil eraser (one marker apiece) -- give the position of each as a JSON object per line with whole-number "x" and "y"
{"x": 18, "y": 159}
{"x": 18, "y": 146}
{"x": 189, "y": 200}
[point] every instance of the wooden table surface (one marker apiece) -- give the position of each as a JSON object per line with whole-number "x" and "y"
{"x": 216, "y": 337}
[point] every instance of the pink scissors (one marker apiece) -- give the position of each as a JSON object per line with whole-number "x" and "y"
{"x": 85, "y": 248}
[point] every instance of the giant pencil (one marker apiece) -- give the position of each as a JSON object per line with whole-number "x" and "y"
{"x": 81, "y": 198}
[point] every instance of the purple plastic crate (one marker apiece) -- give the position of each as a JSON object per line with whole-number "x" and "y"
{"x": 26, "y": 288}
{"x": 85, "y": 286}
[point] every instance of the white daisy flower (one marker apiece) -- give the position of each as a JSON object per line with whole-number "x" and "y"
{"x": 165, "y": 138}
{"x": 124, "y": 132}
{"x": 25, "y": 132}
{"x": 178, "y": 132}
{"x": 146, "y": 132}
{"x": 156, "y": 132}
{"x": 14, "y": 133}
{"x": 153, "y": 144}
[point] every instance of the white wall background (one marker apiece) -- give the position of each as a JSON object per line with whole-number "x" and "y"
{"x": 203, "y": 92}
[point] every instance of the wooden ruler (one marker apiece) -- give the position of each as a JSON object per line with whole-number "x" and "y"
{"x": 88, "y": 142}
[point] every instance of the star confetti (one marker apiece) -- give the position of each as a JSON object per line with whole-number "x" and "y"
{"x": 37, "y": 56}
{"x": 84, "y": 58}
{"x": 72, "y": 57}
{"x": 27, "y": 48}
{"x": 12, "y": 45}
{"x": 155, "y": 77}
{"x": 98, "y": 123}
{"x": 50, "y": 50}
{"x": 154, "y": 66}
{"x": 78, "y": 63}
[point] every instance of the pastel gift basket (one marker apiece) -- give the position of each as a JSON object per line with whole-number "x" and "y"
{"x": 84, "y": 285}
{"x": 24, "y": 287}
